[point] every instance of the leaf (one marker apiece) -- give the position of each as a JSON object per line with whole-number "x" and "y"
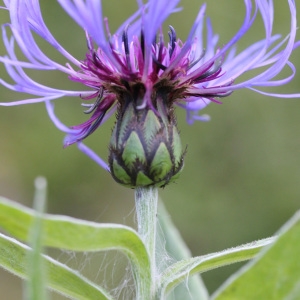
{"x": 177, "y": 248}
{"x": 179, "y": 271}
{"x": 79, "y": 235}
{"x": 13, "y": 258}
{"x": 36, "y": 270}
{"x": 274, "y": 274}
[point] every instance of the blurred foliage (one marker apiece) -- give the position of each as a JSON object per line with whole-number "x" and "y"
{"x": 241, "y": 175}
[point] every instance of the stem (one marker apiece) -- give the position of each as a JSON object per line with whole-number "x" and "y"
{"x": 146, "y": 210}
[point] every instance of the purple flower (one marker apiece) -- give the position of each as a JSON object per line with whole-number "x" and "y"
{"x": 192, "y": 73}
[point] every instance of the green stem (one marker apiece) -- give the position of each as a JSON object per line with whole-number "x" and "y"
{"x": 146, "y": 209}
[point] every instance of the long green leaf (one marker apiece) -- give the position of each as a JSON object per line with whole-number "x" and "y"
{"x": 79, "y": 235}
{"x": 13, "y": 257}
{"x": 179, "y": 271}
{"x": 36, "y": 270}
{"x": 176, "y": 246}
{"x": 273, "y": 274}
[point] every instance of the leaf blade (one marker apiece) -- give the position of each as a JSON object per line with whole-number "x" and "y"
{"x": 277, "y": 267}
{"x": 176, "y": 246}
{"x": 61, "y": 278}
{"x": 78, "y": 235}
{"x": 37, "y": 272}
{"x": 180, "y": 270}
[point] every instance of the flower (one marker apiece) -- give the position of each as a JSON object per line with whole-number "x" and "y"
{"x": 140, "y": 76}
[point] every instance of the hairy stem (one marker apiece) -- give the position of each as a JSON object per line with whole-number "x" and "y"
{"x": 146, "y": 199}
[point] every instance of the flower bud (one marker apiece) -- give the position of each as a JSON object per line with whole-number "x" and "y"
{"x": 145, "y": 147}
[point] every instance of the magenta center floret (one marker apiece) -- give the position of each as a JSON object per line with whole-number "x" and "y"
{"x": 173, "y": 65}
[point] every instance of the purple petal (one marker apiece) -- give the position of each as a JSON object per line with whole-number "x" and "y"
{"x": 91, "y": 154}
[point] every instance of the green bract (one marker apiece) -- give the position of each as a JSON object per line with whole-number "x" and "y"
{"x": 145, "y": 147}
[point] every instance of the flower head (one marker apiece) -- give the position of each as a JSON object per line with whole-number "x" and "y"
{"x": 141, "y": 76}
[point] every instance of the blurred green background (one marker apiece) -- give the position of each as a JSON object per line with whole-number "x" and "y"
{"x": 241, "y": 179}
